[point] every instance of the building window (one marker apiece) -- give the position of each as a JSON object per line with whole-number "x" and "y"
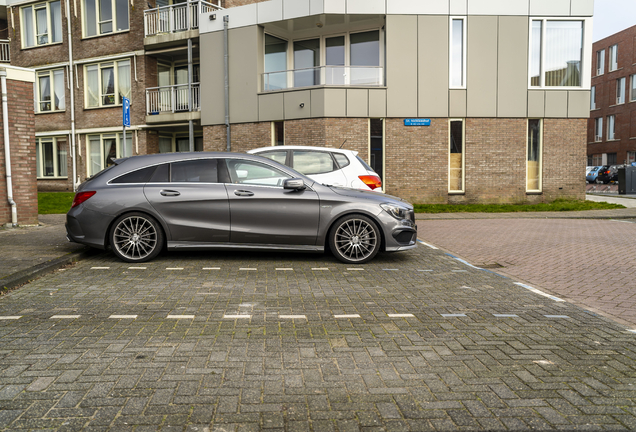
{"x": 376, "y": 146}
{"x": 51, "y": 158}
{"x": 611, "y": 159}
{"x": 611, "y": 128}
{"x": 456, "y": 156}
{"x": 107, "y": 83}
{"x": 275, "y": 63}
{"x": 598, "y": 129}
{"x": 600, "y": 62}
{"x": 593, "y": 98}
{"x": 533, "y": 160}
{"x": 103, "y": 148}
{"x": 105, "y": 16}
{"x": 632, "y": 90}
{"x": 631, "y": 157}
{"x": 457, "y": 65}
{"x": 50, "y": 92}
{"x": 278, "y": 133}
{"x": 555, "y": 53}
{"x": 613, "y": 53}
{"x": 178, "y": 142}
{"x": 41, "y": 24}
{"x": 597, "y": 160}
{"x": 620, "y": 91}
{"x": 306, "y": 60}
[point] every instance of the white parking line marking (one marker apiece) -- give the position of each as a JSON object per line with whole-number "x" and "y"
{"x": 65, "y": 316}
{"x": 426, "y": 244}
{"x": 247, "y": 268}
{"x": 320, "y": 268}
{"x": 292, "y": 316}
{"x": 401, "y": 315}
{"x": 390, "y": 269}
{"x": 633, "y": 331}
{"x": 355, "y": 269}
{"x": 100, "y": 268}
{"x": 211, "y": 268}
{"x": 347, "y": 316}
{"x": 237, "y": 316}
{"x": 180, "y": 317}
{"x": 207, "y": 293}
{"x": 556, "y": 316}
{"x": 284, "y": 269}
{"x": 174, "y": 268}
{"x": 10, "y": 318}
{"x": 136, "y": 268}
{"x": 459, "y": 271}
{"x": 425, "y": 270}
{"x": 536, "y": 291}
{"x": 453, "y": 315}
{"x": 505, "y": 315}
{"x": 123, "y": 316}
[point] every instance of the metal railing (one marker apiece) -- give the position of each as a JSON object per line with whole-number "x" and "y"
{"x": 372, "y": 76}
{"x": 172, "y": 99}
{"x": 5, "y": 56}
{"x": 174, "y": 18}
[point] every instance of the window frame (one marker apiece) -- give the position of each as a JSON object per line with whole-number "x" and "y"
{"x": 586, "y": 75}
{"x": 613, "y": 58}
{"x": 592, "y": 98}
{"x": 49, "y": 27}
{"x": 102, "y": 136}
{"x": 463, "y": 153}
{"x": 113, "y": 19}
{"x": 598, "y": 127}
{"x": 370, "y": 150}
{"x": 540, "y": 152}
{"x": 632, "y": 88}
{"x": 600, "y": 70}
{"x": 620, "y": 90}
{"x": 39, "y": 141}
{"x": 100, "y": 97}
{"x": 174, "y": 136}
{"x": 611, "y": 127}
{"x": 464, "y": 51}
{"x": 38, "y": 102}
{"x": 274, "y": 141}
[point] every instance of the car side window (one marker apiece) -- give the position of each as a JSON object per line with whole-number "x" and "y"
{"x": 196, "y": 171}
{"x": 161, "y": 175}
{"x": 255, "y": 173}
{"x": 137, "y": 176}
{"x": 342, "y": 160}
{"x": 279, "y": 156}
{"x": 313, "y": 162}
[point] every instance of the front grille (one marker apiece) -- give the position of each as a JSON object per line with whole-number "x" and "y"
{"x": 405, "y": 237}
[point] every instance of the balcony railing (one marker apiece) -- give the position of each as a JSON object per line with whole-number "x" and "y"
{"x": 172, "y": 99}
{"x": 371, "y": 76}
{"x": 174, "y": 18}
{"x": 5, "y": 57}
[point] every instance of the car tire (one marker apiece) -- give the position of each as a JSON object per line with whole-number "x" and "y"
{"x": 355, "y": 239}
{"x": 136, "y": 237}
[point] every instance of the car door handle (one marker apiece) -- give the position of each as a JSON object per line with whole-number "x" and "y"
{"x": 243, "y": 193}
{"x": 170, "y": 193}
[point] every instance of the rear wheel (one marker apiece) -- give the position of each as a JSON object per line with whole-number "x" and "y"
{"x": 136, "y": 237}
{"x": 354, "y": 239}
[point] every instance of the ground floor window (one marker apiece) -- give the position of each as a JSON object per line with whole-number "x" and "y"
{"x": 278, "y": 133}
{"x": 533, "y": 157}
{"x": 179, "y": 142}
{"x": 376, "y": 146}
{"x": 50, "y": 157}
{"x": 611, "y": 159}
{"x": 597, "y": 160}
{"x": 456, "y": 156}
{"x": 631, "y": 157}
{"x": 103, "y": 148}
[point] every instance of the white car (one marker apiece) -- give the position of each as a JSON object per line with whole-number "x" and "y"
{"x": 329, "y": 166}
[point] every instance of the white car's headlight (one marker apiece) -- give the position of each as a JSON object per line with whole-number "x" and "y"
{"x": 395, "y": 210}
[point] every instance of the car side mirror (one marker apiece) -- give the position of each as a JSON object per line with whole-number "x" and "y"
{"x": 294, "y": 184}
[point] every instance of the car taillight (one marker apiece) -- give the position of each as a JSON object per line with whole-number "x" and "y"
{"x": 372, "y": 181}
{"x": 80, "y": 197}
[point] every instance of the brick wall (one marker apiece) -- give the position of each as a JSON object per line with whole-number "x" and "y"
{"x": 22, "y": 143}
{"x": 564, "y": 158}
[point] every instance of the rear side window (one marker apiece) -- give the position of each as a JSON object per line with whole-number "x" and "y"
{"x": 313, "y": 162}
{"x": 342, "y": 160}
{"x": 161, "y": 175}
{"x": 139, "y": 176}
{"x": 195, "y": 171}
{"x": 364, "y": 164}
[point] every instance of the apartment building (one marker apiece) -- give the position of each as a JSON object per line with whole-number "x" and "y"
{"x": 91, "y": 54}
{"x": 611, "y": 133}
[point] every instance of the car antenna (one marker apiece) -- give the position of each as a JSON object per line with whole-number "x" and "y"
{"x": 343, "y": 143}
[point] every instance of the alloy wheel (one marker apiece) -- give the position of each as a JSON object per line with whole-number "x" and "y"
{"x": 356, "y": 239}
{"x": 135, "y": 238}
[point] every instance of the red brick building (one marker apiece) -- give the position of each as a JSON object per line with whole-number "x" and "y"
{"x": 611, "y": 130}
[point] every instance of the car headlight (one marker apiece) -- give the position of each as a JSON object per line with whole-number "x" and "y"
{"x": 395, "y": 210}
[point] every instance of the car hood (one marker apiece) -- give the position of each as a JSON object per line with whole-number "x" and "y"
{"x": 370, "y": 195}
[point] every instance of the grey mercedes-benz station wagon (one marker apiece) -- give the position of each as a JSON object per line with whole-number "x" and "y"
{"x": 197, "y": 201}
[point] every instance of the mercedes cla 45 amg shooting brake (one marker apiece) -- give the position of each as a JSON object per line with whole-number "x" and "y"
{"x": 202, "y": 201}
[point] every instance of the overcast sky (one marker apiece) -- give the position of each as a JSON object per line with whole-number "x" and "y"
{"x": 612, "y": 16}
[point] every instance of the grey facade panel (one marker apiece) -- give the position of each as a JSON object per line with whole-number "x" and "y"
{"x": 556, "y": 104}
{"x": 457, "y": 103}
{"x": 550, "y": 7}
{"x": 212, "y": 91}
{"x": 512, "y": 74}
{"x": 582, "y": 8}
{"x": 579, "y": 104}
{"x": 357, "y": 103}
{"x": 244, "y": 54}
{"x": 432, "y": 49}
{"x": 401, "y": 68}
{"x": 335, "y": 102}
{"x": 271, "y": 107}
{"x": 293, "y": 102}
{"x": 318, "y": 103}
{"x": 536, "y": 103}
{"x": 481, "y": 73}
{"x": 377, "y": 103}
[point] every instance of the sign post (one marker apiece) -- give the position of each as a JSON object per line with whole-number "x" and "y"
{"x": 126, "y": 122}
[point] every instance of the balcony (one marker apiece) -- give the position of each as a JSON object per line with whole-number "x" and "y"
{"x": 175, "y": 18}
{"x": 170, "y": 103}
{"x": 363, "y": 76}
{"x": 5, "y": 56}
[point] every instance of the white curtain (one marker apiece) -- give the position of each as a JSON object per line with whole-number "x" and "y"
{"x": 95, "y": 156}
{"x": 27, "y": 21}
{"x": 92, "y": 85}
{"x": 58, "y": 82}
{"x": 123, "y": 76}
{"x": 56, "y": 21}
{"x": 165, "y": 145}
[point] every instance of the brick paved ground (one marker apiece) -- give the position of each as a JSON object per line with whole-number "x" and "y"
{"x": 592, "y": 262}
{"x": 69, "y": 360}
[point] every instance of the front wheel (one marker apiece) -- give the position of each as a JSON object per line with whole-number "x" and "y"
{"x": 354, "y": 239}
{"x": 136, "y": 237}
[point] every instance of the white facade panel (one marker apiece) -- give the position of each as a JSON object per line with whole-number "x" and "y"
{"x": 366, "y": 6}
{"x": 316, "y": 7}
{"x": 418, "y": 7}
{"x": 498, "y": 7}
{"x": 550, "y": 7}
{"x": 295, "y": 8}
{"x": 270, "y": 11}
{"x": 242, "y": 16}
{"x": 458, "y": 7}
{"x": 335, "y": 6}
{"x": 582, "y": 8}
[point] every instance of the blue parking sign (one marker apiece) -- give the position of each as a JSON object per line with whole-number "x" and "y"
{"x": 126, "y": 105}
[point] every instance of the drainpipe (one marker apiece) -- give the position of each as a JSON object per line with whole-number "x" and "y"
{"x": 226, "y": 20}
{"x": 7, "y": 148}
{"x": 190, "y": 99}
{"x": 71, "y": 80}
